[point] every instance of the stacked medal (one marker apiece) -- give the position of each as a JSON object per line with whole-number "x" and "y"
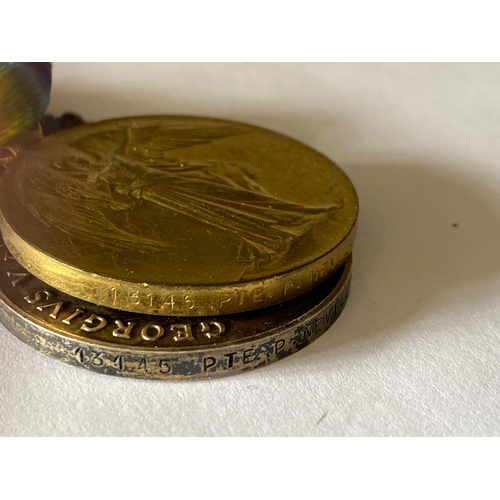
{"x": 172, "y": 247}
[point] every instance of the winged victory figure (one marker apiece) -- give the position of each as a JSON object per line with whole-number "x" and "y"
{"x": 114, "y": 173}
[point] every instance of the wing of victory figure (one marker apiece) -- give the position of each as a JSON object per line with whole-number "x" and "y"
{"x": 115, "y": 175}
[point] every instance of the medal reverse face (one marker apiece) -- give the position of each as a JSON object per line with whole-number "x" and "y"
{"x": 177, "y": 215}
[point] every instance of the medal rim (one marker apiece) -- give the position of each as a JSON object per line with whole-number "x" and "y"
{"x": 38, "y": 335}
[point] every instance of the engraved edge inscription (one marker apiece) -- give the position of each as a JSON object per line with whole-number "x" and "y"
{"x": 164, "y": 364}
{"x": 174, "y": 365}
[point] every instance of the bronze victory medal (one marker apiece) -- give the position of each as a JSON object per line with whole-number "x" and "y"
{"x": 162, "y": 347}
{"x": 175, "y": 215}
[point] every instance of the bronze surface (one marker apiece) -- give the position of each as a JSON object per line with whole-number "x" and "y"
{"x": 177, "y": 215}
{"x": 153, "y": 347}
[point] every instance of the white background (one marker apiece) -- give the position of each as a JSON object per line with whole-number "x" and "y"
{"x": 416, "y": 349}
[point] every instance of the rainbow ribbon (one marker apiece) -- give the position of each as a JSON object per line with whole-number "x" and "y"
{"x": 24, "y": 96}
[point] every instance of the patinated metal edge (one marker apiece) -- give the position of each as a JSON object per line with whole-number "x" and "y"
{"x": 175, "y": 364}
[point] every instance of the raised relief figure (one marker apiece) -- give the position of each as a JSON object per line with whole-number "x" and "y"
{"x": 106, "y": 191}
